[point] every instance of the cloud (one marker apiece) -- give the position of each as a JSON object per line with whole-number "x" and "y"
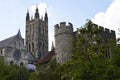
{"x": 110, "y": 18}
{"x": 41, "y": 6}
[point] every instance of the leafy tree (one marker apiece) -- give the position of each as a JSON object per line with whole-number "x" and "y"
{"x": 48, "y": 71}
{"x": 89, "y": 62}
{"x": 13, "y": 72}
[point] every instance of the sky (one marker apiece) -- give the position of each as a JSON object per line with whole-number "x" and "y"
{"x": 105, "y": 13}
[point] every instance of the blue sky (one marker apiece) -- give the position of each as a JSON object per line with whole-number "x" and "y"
{"x": 13, "y": 12}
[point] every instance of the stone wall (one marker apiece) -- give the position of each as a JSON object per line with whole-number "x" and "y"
{"x": 63, "y": 41}
{"x": 105, "y": 32}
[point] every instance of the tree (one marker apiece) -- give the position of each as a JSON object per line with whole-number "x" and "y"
{"x": 89, "y": 61}
{"x": 13, "y": 72}
{"x": 49, "y": 71}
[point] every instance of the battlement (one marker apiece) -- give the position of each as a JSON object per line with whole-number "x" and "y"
{"x": 105, "y": 32}
{"x": 63, "y": 24}
{"x": 63, "y": 28}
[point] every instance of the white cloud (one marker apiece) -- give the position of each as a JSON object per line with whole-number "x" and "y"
{"x": 41, "y": 7}
{"x": 110, "y": 18}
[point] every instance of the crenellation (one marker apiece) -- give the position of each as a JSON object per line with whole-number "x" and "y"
{"x": 63, "y": 28}
{"x": 113, "y": 34}
{"x": 107, "y": 31}
{"x": 95, "y": 26}
{"x": 101, "y": 28}
{"x": 62, "y": 24}
{"x": 56, "y": 26}
{"x": 70, "y": 24}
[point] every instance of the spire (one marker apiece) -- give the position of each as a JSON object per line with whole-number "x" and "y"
{"x": 27, "y": 16}
{"x": 19, "y": 34}
{"x": 32, "y": 17}
{"x": 41, "y": 17}
{"x": 46, "y": 16}
{"x": 36, "y": 12}
{"x": 52, "y": 47}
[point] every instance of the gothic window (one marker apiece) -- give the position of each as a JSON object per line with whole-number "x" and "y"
{"x": 43, "y": 29}
{"x": 30, "y": 30}
{"x": 1, "y": 52}
{"x": 43, "y": 47}
{"x": 23, "y": 42}
{"x": 40, "y": 44}
{"x": 11, "y": 62}
{"x": 29, "y": 47}
{"x": 32, "y": 36}
{"x": 33, "y": 47}
{"x": 19, "y": 44}
{"x": 33, "y": 28}
{"x": 15, "y": 44}
{"x": 17, "y": 55}
{"x": 21, "y": 63}
{"x": 40, "y": 30}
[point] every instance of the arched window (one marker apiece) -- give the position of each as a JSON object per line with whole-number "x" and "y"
{"x": 11, "y": 62}
{"x": 21, "y": 63}
{"x": 1, "y": 52}
{"x": 29, "y": 48}
{"x": 33, "y": 47}
{"x": 17, "y": 55}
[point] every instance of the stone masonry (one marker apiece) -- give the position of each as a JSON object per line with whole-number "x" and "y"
{"x": 63, "y": 41}
{"x": 64, "y": 37}
{"x": 37, "y": 34}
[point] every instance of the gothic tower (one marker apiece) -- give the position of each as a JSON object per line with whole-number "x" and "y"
{"x": 37, "y": 34}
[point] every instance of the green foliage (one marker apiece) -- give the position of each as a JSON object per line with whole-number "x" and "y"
{"x": 34, "y": 76}
{"x": 48, "y": 71}
{"x": 13, "y": 72}
{"x": 116, "y": 56}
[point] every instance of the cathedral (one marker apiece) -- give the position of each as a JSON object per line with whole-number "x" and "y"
{"x": 35, "y": 48}
{"x": 14, "y": 50}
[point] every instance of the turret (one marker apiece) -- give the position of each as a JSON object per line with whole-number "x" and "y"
{"x": 63, "y": 42}
{"x": 19, "y": 34}
{"x": 46, "y": 16}
{"x": 52, "y": 47}
{"x": 37, "y": 13}
{"x": 27, "y": 16}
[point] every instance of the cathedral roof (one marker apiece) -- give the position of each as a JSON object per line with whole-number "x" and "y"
{"x": 48, "y": 57}
{"x": 6, "y": 42}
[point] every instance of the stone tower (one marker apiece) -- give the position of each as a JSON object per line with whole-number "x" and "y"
{"x": 63, "y": 41}
{"x": 37, "y": 34}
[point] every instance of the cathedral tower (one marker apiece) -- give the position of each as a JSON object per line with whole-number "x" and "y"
{"x": 37, "y": 34}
